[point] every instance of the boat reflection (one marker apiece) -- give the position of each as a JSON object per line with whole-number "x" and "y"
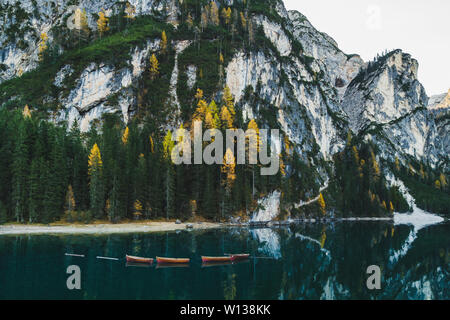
{"x": 168, "y": 265}
{"x": 138, "y": 265}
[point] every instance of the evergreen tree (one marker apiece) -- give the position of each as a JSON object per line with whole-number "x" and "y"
{"x": 20, "y": 173}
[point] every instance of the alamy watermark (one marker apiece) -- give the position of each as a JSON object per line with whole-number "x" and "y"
{"x": 254, "y": 143}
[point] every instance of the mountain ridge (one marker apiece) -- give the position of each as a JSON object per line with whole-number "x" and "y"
{"x": 280, "y": 70}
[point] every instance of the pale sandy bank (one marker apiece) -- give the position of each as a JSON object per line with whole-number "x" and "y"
{"x": 103, "y": 228}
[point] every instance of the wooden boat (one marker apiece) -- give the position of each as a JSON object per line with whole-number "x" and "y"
{"x": 172, "y": 260}
{"x": 216, "y": 259}
{"x": 139, "y": 259}
{"x": 239, "y": 257}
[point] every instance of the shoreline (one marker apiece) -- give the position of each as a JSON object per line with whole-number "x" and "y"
{"x": 105, "y": 228}
{"x": 165, "y": 226}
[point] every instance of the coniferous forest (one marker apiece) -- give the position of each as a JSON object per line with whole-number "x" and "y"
{"x": 119, "y": 171}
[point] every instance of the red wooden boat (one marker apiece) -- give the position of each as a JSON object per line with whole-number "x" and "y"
{"x": 139, "y": 259}
{"x": 172, "y": 260}
{"x": 239, "y": 257}
{"x": 217, "y": 259}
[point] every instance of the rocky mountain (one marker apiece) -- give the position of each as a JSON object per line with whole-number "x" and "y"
{"x": 439, "y": 102}
{"x": 286, "y": 74}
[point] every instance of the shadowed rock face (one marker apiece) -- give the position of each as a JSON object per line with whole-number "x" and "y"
{"x": 314, "y": 91}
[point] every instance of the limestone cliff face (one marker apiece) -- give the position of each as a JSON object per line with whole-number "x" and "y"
{"x": 303, "y": 83}
{"x": 387, "y": 104}
{"x": 23, "y": 21}
{"x": 439, "y": 106}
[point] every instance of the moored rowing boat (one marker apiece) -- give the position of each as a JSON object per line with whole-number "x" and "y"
{"x": 172, "y": 260}
{"x": 139, "y": 259}
{"x": 239, "y": 257}
{"x": 216, "y": 259}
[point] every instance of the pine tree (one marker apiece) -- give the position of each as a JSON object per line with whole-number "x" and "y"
{"x": 3, "y": 213}
{"x": 397, "y": 164}
{"x": 35, "y": 192}
{"x": 20, "y": 172}
{"x": 253, "y": 145}
{"x": 70, "y": 200}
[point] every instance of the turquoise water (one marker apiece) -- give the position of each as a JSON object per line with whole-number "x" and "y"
{"x": 303, "y": 262}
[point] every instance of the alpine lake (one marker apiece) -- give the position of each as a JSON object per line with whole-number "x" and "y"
{"x": 303, "y": 261}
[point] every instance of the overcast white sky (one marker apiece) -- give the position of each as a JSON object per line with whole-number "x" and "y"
{"x": 368, "y": 27}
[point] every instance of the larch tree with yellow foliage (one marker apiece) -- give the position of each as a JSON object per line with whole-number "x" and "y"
{"x": 226, "y": 15}
{"x": 102, "y": 23}
{"x": 214, "y": 13}
{"x": 43, "y": 45}
{"x": 125, "y": 136}
{"x": 26, "y": 112}
{"x": 228, "y": 171}
{"x": 200, "y": 112}
{"x": 322, "y": 205}
{"x": 95, "y": 170}
{"x": 437, "y": 184}
{"x": 199, "y": 94}
{"x": 137, "y": 209}
{"x": 243, "y": 21}
{"x": 443, "y": 180}
{"x": 228, "y": 100}
{"x": 163, "y": 44}
{"x": 168, "y": 146}
{"x": 154, "y": 67}
{"x": 226, "y": 118}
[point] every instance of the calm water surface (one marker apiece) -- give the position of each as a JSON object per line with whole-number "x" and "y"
{"x": 302, "y": 262}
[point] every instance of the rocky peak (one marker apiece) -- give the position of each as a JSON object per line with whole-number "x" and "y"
{"x": 439, "y": 102}
{"x": 338, "y": 68}
{"x": 384, "y": 90}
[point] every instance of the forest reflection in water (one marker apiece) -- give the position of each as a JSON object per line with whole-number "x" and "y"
{"x": 309, "y": 261}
